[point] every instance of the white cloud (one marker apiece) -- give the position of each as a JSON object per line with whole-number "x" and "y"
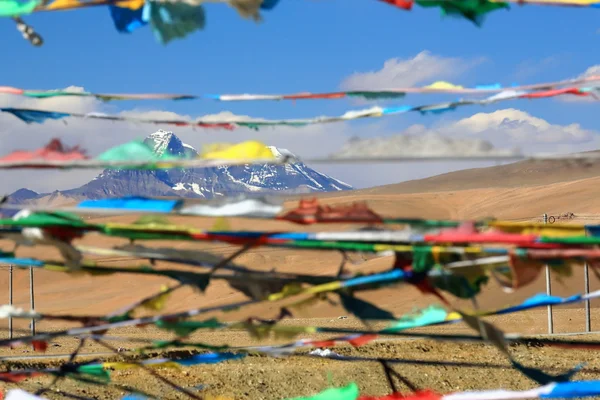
{"x": 408, "y": 72}
{"x": 420, "y": 142}
{"x": 500, "y": 132}
{"x": 505, "y": 129}
{"x": 516, "y": 126}
{"x": 591, "y": 71}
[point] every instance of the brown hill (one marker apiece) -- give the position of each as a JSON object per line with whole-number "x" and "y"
{"x": 524, "y": 173}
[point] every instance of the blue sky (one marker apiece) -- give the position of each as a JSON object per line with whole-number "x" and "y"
{"x": 301, "y": 45}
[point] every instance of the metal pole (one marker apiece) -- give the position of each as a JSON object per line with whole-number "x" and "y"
{"x": 31, "y": 299}
{"x": 588, "y": 318}
{"x": 10, "y": 299}
{"x": 586, "y": 284}
{"x": 549, "y": 290}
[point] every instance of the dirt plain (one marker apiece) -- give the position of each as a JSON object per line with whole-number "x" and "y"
{"x": 520, "y": 191}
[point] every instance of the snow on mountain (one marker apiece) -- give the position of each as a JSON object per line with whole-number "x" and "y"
{"x": 203, "y": 182}
{"x": 161, "y": 141}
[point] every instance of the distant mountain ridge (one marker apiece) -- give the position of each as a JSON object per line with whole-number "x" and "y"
{"x": 192, "y": 182}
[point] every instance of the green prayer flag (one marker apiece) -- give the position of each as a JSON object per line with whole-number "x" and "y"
{"x": 174, "y": 20}
{"x": 377, "y": 95}
{"x": 43, "y": 219}
{"x": 52, "y": 93}
{"x": 472, "y": 10}
{"x": 150, "y": 234}
{"x": 95, "y": 370}
{"x": 422, "y": 259}
{"x": 422, "y": 223}
{"x": 315, "y": 244}
{"x": 349, "y": 392}
{"x": 184, "y": 328}
{"x": 134, "y": 151}
{"x": 15, "y": 8}
{"x": 571, "y": 240}
{"x": 428, "y": 316}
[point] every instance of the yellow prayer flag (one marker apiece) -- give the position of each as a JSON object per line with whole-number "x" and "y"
{"x": 249, "y": 150}
{"x": 326, "y": 287}
{"x": 131, "y": 4}
{"x": 528, "y": 228}
{"x": 63, "y": 4}
{"x": 57, "y": 5}
{"x": 158, "y": 303}
{"x": 125, "y": 365}
{"x": 442, "y": 85}
{"x": 288, "y": 290}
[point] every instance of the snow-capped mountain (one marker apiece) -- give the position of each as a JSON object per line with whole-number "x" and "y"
{"x": 198, "y": 182}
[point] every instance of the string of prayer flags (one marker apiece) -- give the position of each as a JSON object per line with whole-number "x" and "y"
{"x": 232, "y": 122}
{"x": 234, "y": 206}
{"x": 106, "y": 97}
{"x": 208, "y": 358}
{"x": 168, "y": 20}
{"x": 434, "y": 256}
{"x": 9, "y": 311}
{"x": 430, "y": 316}
{"x": 559, "y": 390}
{"x": 137, "y": 155}
{"x": 525, "y": 228}
{"x": 323, "y": 285}
{"x": 349, "y": 392}
{"x": 99, "y": 372}
{"x": 309, "y": 211}
{"x": 579, "y": 87}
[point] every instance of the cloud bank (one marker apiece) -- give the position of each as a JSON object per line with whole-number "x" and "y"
{"x": 408, "y": 72}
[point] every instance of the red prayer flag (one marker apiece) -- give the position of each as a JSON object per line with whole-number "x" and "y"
{"x": 39, "y": 345}
{"x": 53, "y": 151}
{"x": 16, "y": 377}
{"x": 403, "y": 4}
{"x": 303, "y": 96}
{"x": 554, "y": 92}
{"x": 362, "y": 340}
{"x": 467, "y": 233}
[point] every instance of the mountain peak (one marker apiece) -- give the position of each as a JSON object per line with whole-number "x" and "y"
{"x": 22, "y": 194}
{"x": 281, "y": 153}
{"x": 291, "y": 178}
{"x": 162, "y": 141}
